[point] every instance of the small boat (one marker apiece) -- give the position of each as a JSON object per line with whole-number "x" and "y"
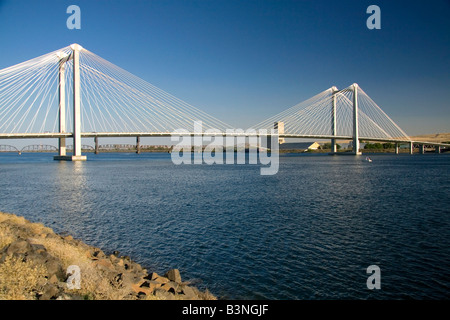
{"x": 368, "y": 159}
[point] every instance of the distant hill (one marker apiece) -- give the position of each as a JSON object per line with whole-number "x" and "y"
{"x": 436, "y": 137}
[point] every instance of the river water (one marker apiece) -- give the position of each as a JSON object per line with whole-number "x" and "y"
{"x": 308, "y": 232}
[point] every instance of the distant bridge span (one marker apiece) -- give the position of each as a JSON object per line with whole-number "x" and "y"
{"x": 223, "y": 134}
{"x": 8, "y": 148}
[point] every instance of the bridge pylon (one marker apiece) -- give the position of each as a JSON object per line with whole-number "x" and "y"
{"x": 333, "y": 120}
{"x": 355, "y": 121}
{"x": 76, "y": 154}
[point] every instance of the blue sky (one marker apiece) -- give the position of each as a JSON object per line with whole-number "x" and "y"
{"x": 243, "y": 61}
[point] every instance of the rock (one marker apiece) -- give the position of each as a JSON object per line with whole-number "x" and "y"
{"x": 137, "y": 267}
{"x": 133, "y": 277}
{"x": 50, "y": 292}
{"x": 19, "y": 246}
{"x": 104, "y": 264}
{"x": 65, "y": 296}
{"x": 39, "y": 256}
{"x": 170, "y": 286}
{"x": 95, "y": 253}
{"x": 113, "y": 258}
{"x": 54, "y": 268}
{"x": 38, "y": 248}
{"x": 141, "y": 295}
{"x": 173, "y": 275}
{"x": 161, "y": 280}
{"x": 42, "y": 281}
{"x": 189, "y": 293}
{"x": 53, "y": 279}
{"x": 146, "y": 287}
{"x": 164, "y": 295}
{"x": 152, "y": 276}
{"x": 153, "y": 285}
{"x": 136, "y": 288}
{"x": 117, "y": 277}
{"x": 118, "y": 280}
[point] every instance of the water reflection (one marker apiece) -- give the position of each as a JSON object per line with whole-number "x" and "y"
{"x": 71, "y": 194}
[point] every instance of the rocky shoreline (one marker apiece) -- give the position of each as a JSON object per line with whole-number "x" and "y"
{"x": 38, "y": 264}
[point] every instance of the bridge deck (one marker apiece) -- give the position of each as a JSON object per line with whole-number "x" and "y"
{"x": 54, "y": 135}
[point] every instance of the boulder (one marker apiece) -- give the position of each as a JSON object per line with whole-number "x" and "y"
{"x": 38, "y": 248}
{"x": 153, "y": 285}
{"x": 189, "y": 293}
{"x": 104, "y": 264}
{"x": 173, "y": 275}
{"x": 120, "y": 263}
{"x": 164, "y": 295}
{"x": 152, "y": 276}
{"x": 170, "y": 286}
{"x": 147, "y": 287}
{"x": 97, "y": 254}
{"x": 19, "y": 247}
{"x": 161, "y": 280}
{"x": 54, "y": 268}
{"x": 117, "y": 281}
{"x": 50, "y": 291}
{"x": 53, "y": 279}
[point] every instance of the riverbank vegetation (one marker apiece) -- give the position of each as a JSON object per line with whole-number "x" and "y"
{"x": 38, "y": 264}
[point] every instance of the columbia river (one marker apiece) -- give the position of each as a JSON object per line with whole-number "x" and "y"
{"x": 308, "y": 232}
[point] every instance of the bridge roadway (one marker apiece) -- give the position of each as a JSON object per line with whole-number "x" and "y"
{"x": 53, "y": 135}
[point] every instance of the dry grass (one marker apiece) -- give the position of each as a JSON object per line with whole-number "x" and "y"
{"x": 435, "y": 137}
{"x": 5, "y": 236}
{"x": 20, "y": 279}
{"x": 207, "y": 295}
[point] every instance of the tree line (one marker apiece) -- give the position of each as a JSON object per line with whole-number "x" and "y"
{"x": 387, "y": 145}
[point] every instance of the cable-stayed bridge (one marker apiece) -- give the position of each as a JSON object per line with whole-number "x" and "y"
{"x": 73, "y": 93}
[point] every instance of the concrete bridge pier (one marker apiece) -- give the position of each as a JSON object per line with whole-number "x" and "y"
{"x": 278, "y": 126}
{"x": 397, "y": 146}
{"x": 422, "y": 149}
{"x": 138, "y": 145}
{"x": 97, "y": 151}
{"x": 437, "y": 149}
{"x": 411, "y": 148}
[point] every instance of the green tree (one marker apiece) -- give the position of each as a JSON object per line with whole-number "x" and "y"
{"x": 327, "y": 145}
